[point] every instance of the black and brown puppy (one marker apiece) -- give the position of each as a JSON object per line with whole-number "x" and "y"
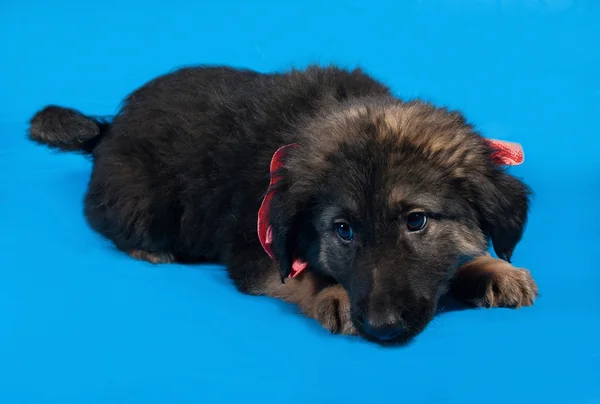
{"x": 390, "y": 204}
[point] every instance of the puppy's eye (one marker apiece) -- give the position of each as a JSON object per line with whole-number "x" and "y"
{"x": 416, "y": 221}
{"x": 344, "y": 231}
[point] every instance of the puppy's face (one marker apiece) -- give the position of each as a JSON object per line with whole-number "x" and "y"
{"x": 388, "y": 201}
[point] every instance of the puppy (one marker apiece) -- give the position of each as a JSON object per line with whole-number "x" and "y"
{"x": 314, "y": 186}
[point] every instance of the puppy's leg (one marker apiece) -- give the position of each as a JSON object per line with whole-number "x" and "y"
{"x": 316, "y": 297}
{"x": 132, "y": 206}
{"x": 491, "y": 282}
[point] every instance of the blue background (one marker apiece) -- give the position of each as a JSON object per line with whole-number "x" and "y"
{"x": 82, "y": 323}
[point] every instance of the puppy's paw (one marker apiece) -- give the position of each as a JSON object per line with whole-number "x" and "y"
{"x": 512, "y": 287}
{"x": 332, "y": 310}
{"x": 152, "y": 257}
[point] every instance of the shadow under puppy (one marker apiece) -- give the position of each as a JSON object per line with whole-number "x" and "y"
{"x": 370, "y": 208}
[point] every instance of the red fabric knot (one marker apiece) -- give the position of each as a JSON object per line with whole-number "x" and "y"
{"x": 507, "y": 153}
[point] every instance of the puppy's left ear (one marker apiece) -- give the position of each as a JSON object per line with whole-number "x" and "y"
{"x": 503, "y": 205}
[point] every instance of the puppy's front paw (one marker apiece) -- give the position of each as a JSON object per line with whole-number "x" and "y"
{"x": 332, "y": 310}
{"x": 511, "y": 287}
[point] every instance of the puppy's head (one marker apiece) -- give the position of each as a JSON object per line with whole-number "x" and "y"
{"x": 388, "y": 199}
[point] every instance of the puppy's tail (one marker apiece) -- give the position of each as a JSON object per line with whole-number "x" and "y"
{"x": 66, "y": 129}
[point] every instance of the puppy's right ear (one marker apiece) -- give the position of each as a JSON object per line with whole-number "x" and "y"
{"x": 287, "y": 213}
{"x": 283, "y": 219}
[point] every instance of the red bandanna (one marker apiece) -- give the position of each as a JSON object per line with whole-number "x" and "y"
{"x": 506, "y": 153}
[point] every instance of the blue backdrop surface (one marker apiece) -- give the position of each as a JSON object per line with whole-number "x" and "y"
{"x": 82, "y": 323}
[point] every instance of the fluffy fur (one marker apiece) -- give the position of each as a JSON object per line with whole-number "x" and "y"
{"x": 179, "y": 175}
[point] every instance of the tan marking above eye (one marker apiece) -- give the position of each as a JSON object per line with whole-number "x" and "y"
{"x": 396, "y": 196}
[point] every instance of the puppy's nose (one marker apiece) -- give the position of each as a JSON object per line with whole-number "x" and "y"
{"x": 385, "y": 327}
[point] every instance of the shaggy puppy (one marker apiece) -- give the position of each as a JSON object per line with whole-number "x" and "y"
{"x": 371, "y": 208}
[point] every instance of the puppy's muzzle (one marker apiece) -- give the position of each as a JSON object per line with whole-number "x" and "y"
{"x": 384, "y": 326}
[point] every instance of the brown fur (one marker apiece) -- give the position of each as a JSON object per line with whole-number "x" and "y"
{"x": 317, "y": 298}
{"x": 153, "y": 258}
{"x": 489, "y": 282}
